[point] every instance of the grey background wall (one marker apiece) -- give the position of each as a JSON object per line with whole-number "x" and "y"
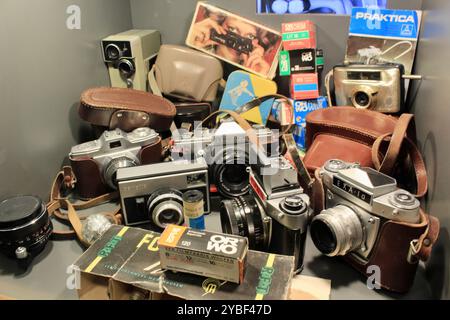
{"x": 45, "y": 67}
{"x": 431, "y": 108}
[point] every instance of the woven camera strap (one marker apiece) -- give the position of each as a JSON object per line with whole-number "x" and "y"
{"x": 292, "y": 153}
{"x": 65, "y": 180}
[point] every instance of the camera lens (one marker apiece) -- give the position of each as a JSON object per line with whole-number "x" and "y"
{"x": 230, "y": 175}
{"x": 110, "y": 172}
{"x": 25, "y": 226}
{"x": 242, "y": 216}
{"x": 126, "y": 68}
{"x": 337, "y": 231}
{"x": 112, "y": 52}
{"x": 362, "y": 99}
{"x": 166, "y": 207}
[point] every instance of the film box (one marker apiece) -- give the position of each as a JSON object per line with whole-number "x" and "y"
{"x": 299, "y": 35}
{"x": 301, "y": 61}
{"x": 301, "y": 110}
{"x": 204, "y": 253}
{"x": 103, "y": 258}
{"x": 304, "y": 86}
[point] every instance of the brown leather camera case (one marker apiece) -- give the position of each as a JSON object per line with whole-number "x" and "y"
{"x": 90, "y": 182}
{"x": 126, "y": 109}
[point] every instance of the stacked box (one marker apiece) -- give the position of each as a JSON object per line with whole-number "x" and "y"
{"x": 304, "y": 86}
{"x": 299, "y": 35}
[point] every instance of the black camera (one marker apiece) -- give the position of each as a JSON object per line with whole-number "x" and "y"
{"x": 275, "y": 216}
{"x": 233, "y": 41}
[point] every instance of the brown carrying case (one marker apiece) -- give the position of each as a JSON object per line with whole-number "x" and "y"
{"x": 126, "y": 109}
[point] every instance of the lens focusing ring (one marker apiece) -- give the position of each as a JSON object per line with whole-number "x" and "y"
{"x": 337, "y": 231}
{"x": 32, "y": 233}
{"x": 110, "y": 172}
{"x": 242, "y": 216}
{"x": 126, "y": 67}
{"x": 166, "y": 200}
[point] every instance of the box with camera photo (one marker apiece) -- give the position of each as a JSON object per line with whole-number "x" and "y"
{"x": 104, "y": 257}
{"x": 154, "y": 193}
{"x": 234, "y": 39}
{"x": 268, "y": 277}
{"x": 205, "y": 253}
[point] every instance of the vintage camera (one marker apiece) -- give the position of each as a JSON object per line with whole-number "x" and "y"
{"x": 233, "y": 41}
{"x": 275, "y": 216}
{"x": 95, "y": 163}
{"x": 364, "y": 208}
{"x": 127, "y": 56}
{"x": 376, "y": 87}
{"x": 227, "y": 153}
{"x": 153, "y": 193}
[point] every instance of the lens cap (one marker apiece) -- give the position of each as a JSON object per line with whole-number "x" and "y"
{"x": 19, "y": 210}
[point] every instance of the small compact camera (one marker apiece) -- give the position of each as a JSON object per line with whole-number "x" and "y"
{"x": 227, "y": 153}
{"x": 275, "y": 216}
{"x": 95, "y": 163}
{"x": 377, "y": 87}
{"x": 232, "y": 41}
{"x": 128, "y": 55}
{"x": 153, "y": 193}
{"x": 360, "y": 206}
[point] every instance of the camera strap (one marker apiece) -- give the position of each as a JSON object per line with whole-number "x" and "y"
{"x": 65, "y": 182}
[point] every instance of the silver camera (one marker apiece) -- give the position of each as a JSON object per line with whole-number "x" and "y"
{"x": 275, "y": 216}
{"x": 113, "y": 150}
{"x": 226, "y": 151}
{"x": 153, "y": 193}
{"x": 358, "y": 202}
{"x": 376, "y": 87}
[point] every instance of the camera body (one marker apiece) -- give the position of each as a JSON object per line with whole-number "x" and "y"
{"x": 227, "y": 152}
{"x": 233, "y": 41}
{"x": 275, "y": 216}
{"x": 95, "y": 163}
{"x": 377, "y": 87}
{"x": 153, "y": 193}
{"x": 365, "y": 210}
{"x": 127, "y": 55}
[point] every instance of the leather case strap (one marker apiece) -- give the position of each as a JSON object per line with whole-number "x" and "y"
{"x": 65, "y": 180}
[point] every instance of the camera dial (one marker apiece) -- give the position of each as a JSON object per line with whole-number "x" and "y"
{"x": 293, "y": 205}
{"x": 335, "y": 165}
{"x": 404, "y": 200}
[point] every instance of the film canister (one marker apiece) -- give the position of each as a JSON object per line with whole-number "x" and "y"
{"x": 193, "y": 208}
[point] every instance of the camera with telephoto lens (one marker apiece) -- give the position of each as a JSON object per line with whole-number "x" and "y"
{"x": 377, "y": 87}
{"x": 367, "y": 219}
{"x": 226, "y": 151}
{"x": 233, "y": 41}
{"x": 95, "y": 163}
{"x": 153, "y": 193}
{"x": 275, "y": 216}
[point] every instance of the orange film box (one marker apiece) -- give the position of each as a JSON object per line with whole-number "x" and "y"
{"x": 304, "y": 86}
{"x": 299, "y": 35}
{"x": 204, "y": 253}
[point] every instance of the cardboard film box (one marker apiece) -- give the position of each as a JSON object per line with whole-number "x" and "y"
{"x": 304, "y": 86}
{"x": 299, "y": 35}
{"x": 209, "y": 254}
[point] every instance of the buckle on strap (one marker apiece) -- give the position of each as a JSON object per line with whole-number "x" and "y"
{"x": 414, "y": 248}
